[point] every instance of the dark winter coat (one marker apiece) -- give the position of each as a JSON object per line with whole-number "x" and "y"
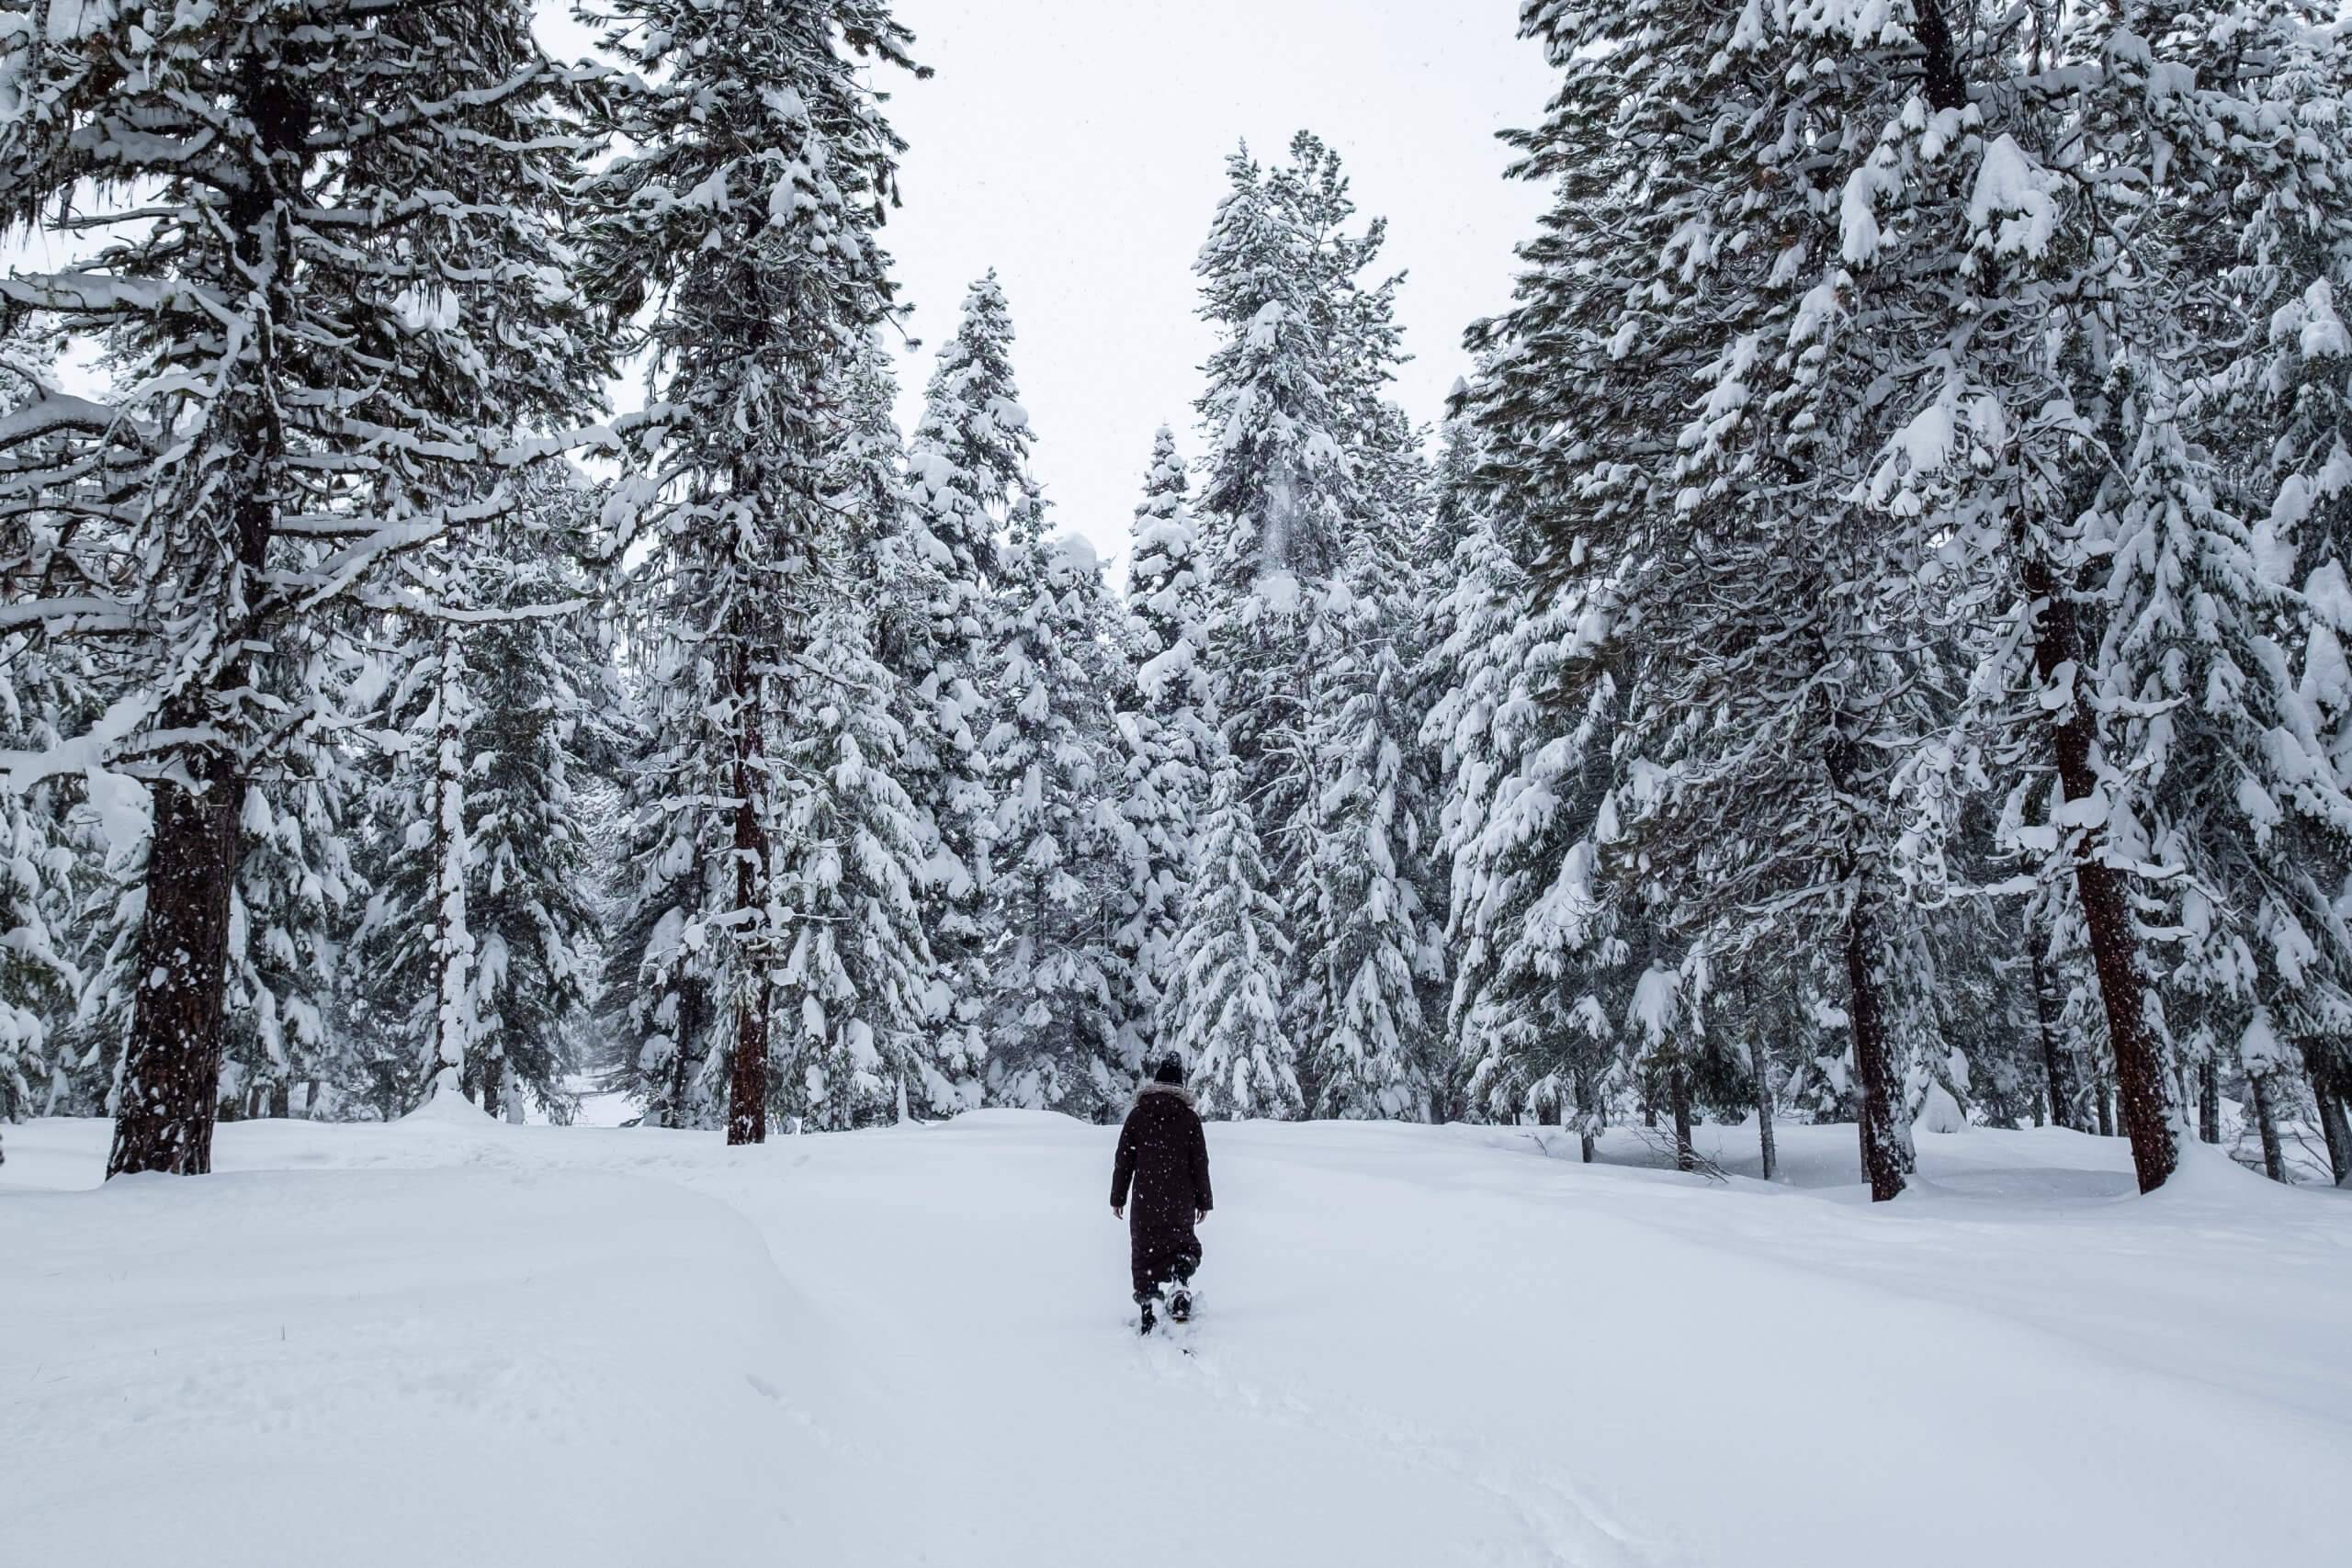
{"x": 1164, "y": 1165}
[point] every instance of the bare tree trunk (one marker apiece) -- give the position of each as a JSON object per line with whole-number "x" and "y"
{"x": 2328, "y": 1088}
{"x": 492, "y": 1083}
{"x": 2333, "y": 1127}
{"x": 1886, "y": 1159}
{"x": 2274, "y": 1159}
{"x": 2208, "y": 1100}
{"x": 1678, "y": 1089}
{"x": 2105, "y": 1105}
{"x": 747, "y": 1069}
{"x": 2115, "y": 949}
{"x": 1585, "y": 1116}
{"x": 2057, "y": 1062}
{"x": 171, "y": 1080}
{"x": 1763, "y": 1068}
{"x": 672, "y": 1112}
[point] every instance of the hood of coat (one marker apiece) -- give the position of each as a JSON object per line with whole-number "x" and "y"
{"x": 1179, "y": 1090}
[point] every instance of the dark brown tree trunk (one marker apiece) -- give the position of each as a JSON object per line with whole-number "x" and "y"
{"x": 2104, "y": 1104}
{"x": 2208, "y": 1100}
{"x": 1886, "y": 1159}
{"x": 2266, "y": 1121}
{"x": 1584, "y": 1116}
{"x": 747, "y": 1069}
{"x": 2115, "y": 948}
{"x": 689, "y": 1031}
{"x": 2328, "y": 1088}
{"x": 490, "y": 1088}
{"x": 1945, "y": 87}
{"x": 1763, "y": 1068}
{"x": 171, "y": 1080}
{"x": 1677, "y": 1090}
{"x": 2338, "y": 1134}
{"x": 281, "y": 1098}
{"x": 2057, "y": 1061}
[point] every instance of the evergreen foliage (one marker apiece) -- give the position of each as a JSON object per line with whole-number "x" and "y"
{"x": 1055, "y": 1025}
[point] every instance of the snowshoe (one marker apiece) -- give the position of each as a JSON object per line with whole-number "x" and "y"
{"x": 1179, "y": 1304}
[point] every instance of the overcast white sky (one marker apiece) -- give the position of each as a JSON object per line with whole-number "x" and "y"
{"x": 1078, "y": 147}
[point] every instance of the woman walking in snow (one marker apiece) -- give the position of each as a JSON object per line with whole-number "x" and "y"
{"x": 1164, "y": 1158}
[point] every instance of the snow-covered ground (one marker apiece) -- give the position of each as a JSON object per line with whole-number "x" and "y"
{"x": 451, "y": 1342}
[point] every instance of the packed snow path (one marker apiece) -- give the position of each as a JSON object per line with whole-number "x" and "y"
{"x": 454, "y": 1342}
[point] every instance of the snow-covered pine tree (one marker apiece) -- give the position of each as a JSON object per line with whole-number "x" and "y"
{"x": 479, "y": 948}
{"x": 755, "y": 169}
{"x": 1782, "y": 731}
{"x": 1055, "y": 1032}
{"x": 1290, "y": 409}
{"x": 905, "y": 570}
{"x": 38, "y": 980}
{"x": 1370, "y": 1054}
{"x": 44, "y": 686}
{"x": 2230, "y": 776}
{"x": 1278, "y": 497}
{"x": 341, "y": 296}
{"x": 849, "y": 855}
{"x": 2014, "y": 255}
{"x": 1376, "y": 942}
{"x": 414, "y": 948}
{"x": 2325, "y": 687}
{"x": 662, "y": 999}
{"x": 2132, "y": 185}
{"x": 542, "y": 734}
{"x": 1166, "y": 723}
{"x": 965, "y": 469}
{"x": 1543, "y": 975}
{"x": 1221, "y": 1011}
{"x": 2267, "y": 230}
{"x": 295, "y": 888}
{"x": 1166, "y": 594}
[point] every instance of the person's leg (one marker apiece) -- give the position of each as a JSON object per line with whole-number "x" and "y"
{"x": 1182, "y": 1260}
{"x": 1140, "y": 1266}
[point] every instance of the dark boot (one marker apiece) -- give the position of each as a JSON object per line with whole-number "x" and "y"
{"x": 1147, "y": 1325}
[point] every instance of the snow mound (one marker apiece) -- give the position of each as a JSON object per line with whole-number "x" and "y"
{"x": 1003, "y": 1117}
{"x": 450, "y": 1110}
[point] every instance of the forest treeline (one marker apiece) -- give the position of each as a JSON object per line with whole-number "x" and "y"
{"x": 1866, "y": 643}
